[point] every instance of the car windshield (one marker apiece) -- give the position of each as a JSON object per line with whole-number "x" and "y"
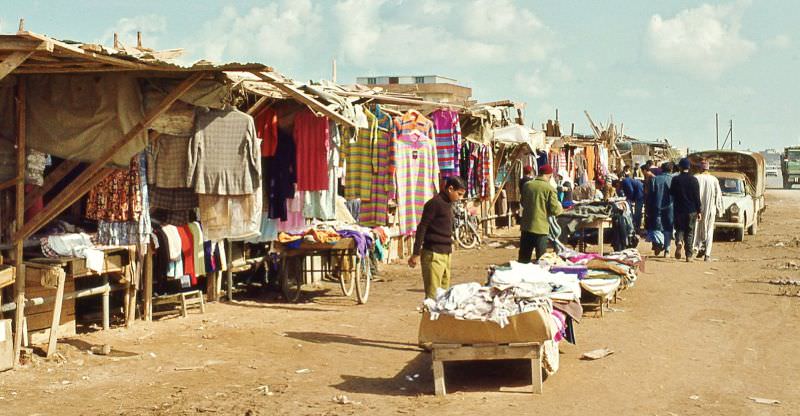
{"x": 731, "y": 186}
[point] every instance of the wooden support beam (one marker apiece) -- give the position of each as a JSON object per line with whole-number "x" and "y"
{"x": 304, "y": 98}
{"x": 9, "y": 183}
{"x": 257, "y": 106}
{"x": 148, "y": 285}
{"x": 14, "y": 43}
{"x": 78, "y": 187}
{"x": 74, "y": 50}
{"x": 19, "y": 283}
{"x": 51, "y": 180}
{"x": 51, "y": 346}
{"x": 12, "y": 62}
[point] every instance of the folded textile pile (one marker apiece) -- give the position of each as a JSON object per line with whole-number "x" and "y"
{"x": 495, "y": 303}
{"x": 563, "y": 286}
{"x": 74, "y": 245}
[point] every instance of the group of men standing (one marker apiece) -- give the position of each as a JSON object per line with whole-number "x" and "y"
{"x": 677, "y": 204}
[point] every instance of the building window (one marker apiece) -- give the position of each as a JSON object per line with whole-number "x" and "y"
{"x": 419, "y": 80}
{"x": 394, "y": 80}
{"x": 372, "y": 81}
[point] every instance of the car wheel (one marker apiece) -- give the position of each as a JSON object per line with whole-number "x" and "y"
{"x": 753, "y": 228}
{"x": 739, "y": 233}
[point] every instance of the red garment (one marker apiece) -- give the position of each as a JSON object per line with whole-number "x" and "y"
{"x": 38, "y": 204}
{"x": 312, "y": 141}
{"x": 267, "y": 130}
{"x": 187, "y": 250}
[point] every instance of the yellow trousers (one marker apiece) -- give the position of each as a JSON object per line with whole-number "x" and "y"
{"x": 435, "y": 272}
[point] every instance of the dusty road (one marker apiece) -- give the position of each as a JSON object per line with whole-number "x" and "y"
{"x": 696, "y": 339}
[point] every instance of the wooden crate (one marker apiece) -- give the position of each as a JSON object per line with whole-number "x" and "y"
{"x": 7, "y": 275}
{"x": 461, "y": 352}
{"x": 40, "y": 317}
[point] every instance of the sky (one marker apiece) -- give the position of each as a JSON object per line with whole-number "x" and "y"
{"x": 660, "y": 69}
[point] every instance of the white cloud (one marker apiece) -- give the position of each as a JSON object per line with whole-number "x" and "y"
{"x": 703, "y": 41}
{"x": 276, "y": 34}
{"x": 151, "y": 26}
{"x": 532, "y": 83}
{"x": 779, "y": 42}
{"x": 480, "y": 32}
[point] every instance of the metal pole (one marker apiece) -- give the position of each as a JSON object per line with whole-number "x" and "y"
{"x": 731, "y": 134}
{"x": 716, "y": 117}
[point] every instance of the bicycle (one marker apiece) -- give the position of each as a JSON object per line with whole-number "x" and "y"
{"x": 465, "y": 227}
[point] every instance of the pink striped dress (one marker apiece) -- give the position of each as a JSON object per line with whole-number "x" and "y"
{"x": 417, "y": 173}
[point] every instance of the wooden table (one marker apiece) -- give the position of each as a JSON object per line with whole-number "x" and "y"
{"x": 460, "y": 352}
{"x": 599, "y": 224}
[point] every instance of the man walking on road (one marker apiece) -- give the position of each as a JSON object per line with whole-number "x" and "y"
{"x": 685, "y": 192}
{"x": 434, "y": 240}
{"x": 711, "y": 200}
{"x": 539, "y": 201}
{"x": 659, "y": 218}
{"x": 634, "y": 194}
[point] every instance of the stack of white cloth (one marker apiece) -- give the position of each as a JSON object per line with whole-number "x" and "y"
{"x": 495, "y": 303}
{"x": 562, "y": 286}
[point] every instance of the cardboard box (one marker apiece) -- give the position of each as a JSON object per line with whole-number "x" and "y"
{"x": 534, "y": 326}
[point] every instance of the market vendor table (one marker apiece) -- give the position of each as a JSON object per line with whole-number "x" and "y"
{"x": 599, "y": 224}
{"x": 340, "y": 260}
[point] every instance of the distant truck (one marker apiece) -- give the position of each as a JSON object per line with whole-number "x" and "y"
{"x": 790, "y": 165}
{"x": 742, "y": 178}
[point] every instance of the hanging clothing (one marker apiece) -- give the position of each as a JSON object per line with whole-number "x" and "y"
{"x": 295, "y": 221}
{"x": 198, "y": 251}
{"x": 710, "y": 204}
{"x": 322, "y": 204}
{"x": 375, "y": 209}
{"x": 282, "y": 176}
{"x": 448, "y": 141}
{"x": 117, "y": 197}
{"x": 224, "y": 154}
{"x": 417, "y": 177}
{"x": 187, "y": 253}
{"x": 235, "y": 217}
{"x": 171, "y": 161}
{"x": 358, "y": 154}
{"x": 410, "y": 122}
{"x": 267, "y": 129}
{"x": 311, "y": 136}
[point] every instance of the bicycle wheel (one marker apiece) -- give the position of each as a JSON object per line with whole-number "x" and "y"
{"x": 291, "y": 278}
{"x": 363, "y": 278}
{"x": 465, "y": 237}
{"x": 346, "y": 272}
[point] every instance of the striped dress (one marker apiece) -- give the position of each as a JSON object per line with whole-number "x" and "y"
{"x": 408, "y": 123}
{"x": 417, "y": 173}
{"x": 374, "y": 210}
{"x": 448, "y": 141}
{"x": 358, "y": 154}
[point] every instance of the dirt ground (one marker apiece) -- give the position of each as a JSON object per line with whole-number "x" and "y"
{"x": 689, "y": 339}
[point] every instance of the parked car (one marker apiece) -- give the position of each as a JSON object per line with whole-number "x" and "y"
{"x": 742, "y": 177}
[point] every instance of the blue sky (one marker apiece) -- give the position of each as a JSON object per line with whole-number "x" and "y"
{"x": 661, "y": 68}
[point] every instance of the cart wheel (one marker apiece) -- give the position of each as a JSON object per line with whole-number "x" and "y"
{"x": 291, "y": 279}
{"x": 363, "y": 277}
{"x": 346, "y": 272}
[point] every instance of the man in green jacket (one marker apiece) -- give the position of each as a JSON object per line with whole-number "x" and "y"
{"x": 539, "y": 201}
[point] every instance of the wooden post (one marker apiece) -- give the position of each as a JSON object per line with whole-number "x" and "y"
{"x": 106, "y": 312}
{"x": 51, "y": 346}
{"x": 229, "y": 271}
{"x": 19, "y": 283}
{"x": 438, "y": 378}
{"x": 148, "y": 285}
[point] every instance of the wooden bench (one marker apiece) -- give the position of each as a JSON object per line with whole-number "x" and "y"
{"x": 182, "y": 301}
{"x": 463, "y": 352}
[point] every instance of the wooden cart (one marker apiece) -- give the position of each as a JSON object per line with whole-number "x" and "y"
{"x": 339, "y": 261}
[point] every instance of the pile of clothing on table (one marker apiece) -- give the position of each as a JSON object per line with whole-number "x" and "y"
{"x": 599, "y": 275}
{"x": 623, "y": 234}
{"x": 367, "y": 240}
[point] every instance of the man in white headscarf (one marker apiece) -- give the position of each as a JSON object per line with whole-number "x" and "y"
{"x": 711, "y": 203}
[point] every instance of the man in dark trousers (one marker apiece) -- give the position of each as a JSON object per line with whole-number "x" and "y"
{"x": 685, "y": 192}
{"x": 633, "y": 190}
{"x": 434, "y": 240}
{"x": 539, "y": 201}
